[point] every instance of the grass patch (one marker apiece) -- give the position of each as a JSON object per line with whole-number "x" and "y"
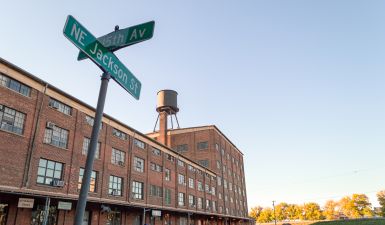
{"x": 353, "y": 222}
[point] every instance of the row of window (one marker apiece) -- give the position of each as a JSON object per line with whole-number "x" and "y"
{"x": 191, "y": 184}
{"x": 50, "y": 173}
{"x": 184, "y": 147}
{"x": 194, "y": 201}
{"x": 14, "y": 85}
{"x": 13, "y": 121}
{"x": 234, "y": 161}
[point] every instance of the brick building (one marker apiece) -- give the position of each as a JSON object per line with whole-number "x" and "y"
{"x": 179, "y": 176}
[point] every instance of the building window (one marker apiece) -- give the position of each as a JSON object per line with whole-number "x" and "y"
{"x": 55, "y": 135}
{"x": 225, "y": 183}
{"x": 207, "y": 188}
{"x": 86, "y": 146}
{"x": 156, "y": 151}
{"x": 90, "y": 121}
{"x": 137, "y": 190}
{"x": 220, "y": 209}
{"x": 170, "y": 157}
{"x": 180, "y": 163}
{"x": 214, "y": 204}
{"x": 14, "y": 85}
{"x": 228, "y": 156}
{"x": 118, "y": 157}
{"x": 156, "y": 167}
{"x": 202, "y": 145}
{"x": 182, "y": 221}
{"x": 139, "y": 164}
{"x": 216, "y": 147}
{"x": 93, "y": 180}
{"x": 220, "y": 195}
{"x": 218, "y": 164}
{"x": 222, "y": 151}
{"x": 139, "y": 144}
{"x": 59, "y": 106}
{"x": 199, "y": 203}
{"x": 167, "y": 174}
{"x": 199, "y": 186}
{"x": 230, "y": 186}
{"x": 213, "y": 190}
{"x": 49, "y": 171}
{"x": 191, "y": 200}
{"x": 207, "y": 204}
{"x": 181, "y": 179}
{"x": 167, "y": 196}
{"x": 119, "y": 134}
{"x": 204, "y": 163}
{"x": 219, "y": 179}
{"x": 115, "y": 186}
{"x": 11, "y": 120}
{"x": 191, "y": 168}
{"x": 181, "y": 199}
{"x": 156, "y": 191}
{"x": 191, "y": 183}
{"x": 181, "y": 148}
{"x": 114, "y": 218}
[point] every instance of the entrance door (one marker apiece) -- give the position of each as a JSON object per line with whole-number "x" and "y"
{"x": 3, "y": 213}
{"x": 137, "y": 220}
{"x": 86, "y": 218}
{"x": 38, "y": 215}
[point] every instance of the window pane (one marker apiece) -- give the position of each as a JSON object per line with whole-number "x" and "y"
{"x": 42, "y": 162}
{"x": 57, "y": 174}
{"x": 40, "y": 179}
{"x": 51, "y": 165}
{"x": 48, "y": 181}
{"x": 41, "y": 171}
{"x": 49, "y": 173}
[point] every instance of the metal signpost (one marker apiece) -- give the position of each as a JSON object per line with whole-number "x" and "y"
{"x": 111, "y": 67}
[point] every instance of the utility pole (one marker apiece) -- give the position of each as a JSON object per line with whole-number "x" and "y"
{"x": 275, "y": 218}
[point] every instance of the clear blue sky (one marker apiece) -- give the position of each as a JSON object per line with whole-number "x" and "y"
{"x": 298, "y": 86}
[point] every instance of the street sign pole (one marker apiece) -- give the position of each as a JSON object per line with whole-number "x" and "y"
{"x": 81, "y": 206}
{"x": 112, "y": 68}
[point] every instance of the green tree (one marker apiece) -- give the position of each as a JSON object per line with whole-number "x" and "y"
{"x": 330, "y": 210}
{"x": 265, "y": 216}
{"x": 293, "y": 212}
{"x": 381, "y": 200}
{"x": 311, "y": 211}
{"x": 255, "y": 212}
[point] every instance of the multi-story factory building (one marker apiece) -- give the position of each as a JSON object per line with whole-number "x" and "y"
{"x": 171, "y": 176}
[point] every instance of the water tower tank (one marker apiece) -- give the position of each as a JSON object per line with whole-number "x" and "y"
{"x": 167, "y": 101}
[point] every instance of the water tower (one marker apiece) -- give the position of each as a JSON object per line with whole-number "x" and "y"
{"x": 167, "y": 107}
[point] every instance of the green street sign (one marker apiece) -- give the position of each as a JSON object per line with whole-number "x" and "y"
{"x": 101, "y": 56}
{"x": 125, "y": 37}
